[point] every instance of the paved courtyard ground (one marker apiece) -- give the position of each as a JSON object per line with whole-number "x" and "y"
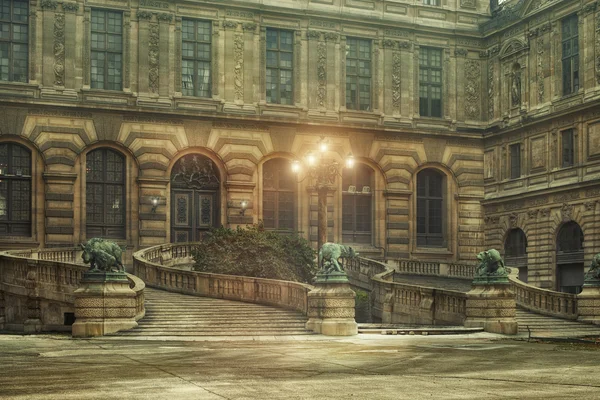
{"x": 478, "y": 366}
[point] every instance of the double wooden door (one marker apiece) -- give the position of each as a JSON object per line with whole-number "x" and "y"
{"x": 193, "y": 212}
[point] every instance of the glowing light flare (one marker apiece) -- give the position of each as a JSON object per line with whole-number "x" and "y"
{"x": 311, "y": 159}
{"x": 295, "y": 166}
{"x": 350, "y": 161}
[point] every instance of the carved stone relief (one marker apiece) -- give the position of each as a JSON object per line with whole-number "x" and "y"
{"x": 513, "y": 220}
{"x": 515, "y": 88}
{"x": 396, "y": 79}
{"x": 59, "y": 50}
{"x": 322, "y": 73}
{"x": 153, "y": 58}
{"x": 598, "y": 48}
{"x": 540, "y": 69}
{"x": 472, "y": 89}
{"x": 468, "y": 3}
{"x": 238, "y": 72}
{"x": 567, "y": 212}
{"x": 491, "y": 82}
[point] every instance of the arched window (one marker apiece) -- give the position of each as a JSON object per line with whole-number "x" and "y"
{"x": 569, "y": 258}
{"x": 515, "y": 252}
{"x": 279, "y": 195}
{"x": 357, "y": 204}
{"x": 430, "y": 208}
{"x": 15, "y": 190}
{"x": 105, "y": 194}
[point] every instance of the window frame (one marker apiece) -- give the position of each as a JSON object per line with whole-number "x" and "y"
{"x": 279, "y": 167}
{"x": 569, "y": 149}
{"x": 352, "y": 199}
{"x": 426, "y": 67}
{"x": 10, "y": 176}
{"x": 94, "y": 83}
{"x": 515, "y": 170}
{"x": 429, "y": 239}
{"x": 356, "y": 78}
{"x": 571, "y": 81}
{"x": 196, "y": 59}
{"x": 12, "y": 43}
{"x": 105, "y": 182}
{"x": 431, "y": 3}
{"x": 278, "y": 68}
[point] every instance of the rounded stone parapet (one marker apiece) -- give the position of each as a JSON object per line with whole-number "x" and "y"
{"x": 588, "y": 303}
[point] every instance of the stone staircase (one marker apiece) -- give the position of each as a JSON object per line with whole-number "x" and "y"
{"x": 172, "y": 314}
{"x": 542, "y": 326}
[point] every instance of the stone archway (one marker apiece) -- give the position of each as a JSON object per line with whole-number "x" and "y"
{"x": 195, "y": 205}
{"x": 569, "y": 258}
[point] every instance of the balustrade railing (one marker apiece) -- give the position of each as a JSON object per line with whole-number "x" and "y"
{"x": 147, "y": 266}
{"x": 543, "y": 301}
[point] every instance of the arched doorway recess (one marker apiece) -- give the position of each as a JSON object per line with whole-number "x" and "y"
{"x": 195, "y": 204}
{"x": 569, "y": 258}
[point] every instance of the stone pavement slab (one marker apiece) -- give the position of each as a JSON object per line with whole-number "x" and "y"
{"x": 304, "y": 367}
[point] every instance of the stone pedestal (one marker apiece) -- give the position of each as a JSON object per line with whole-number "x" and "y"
{"x": 331, "y": 306}
{"x": 104, "y": 303}
{"x": 588, "y": 302}
{"x": 492, "y": 306}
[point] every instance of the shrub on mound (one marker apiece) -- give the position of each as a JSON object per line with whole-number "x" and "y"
{"x": 255, "y": 252}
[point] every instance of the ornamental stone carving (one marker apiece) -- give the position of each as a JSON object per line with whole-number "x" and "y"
{"x": 461, "y": 52}
{"x": 468, "y": 3}
{"x": 598, "y": 48}
{"x": 153, "y": 58}
{"x": 540, "y": 69}
{"x": 532, "y": 214}
{"x": 70, "y": 7}
{"x": 238, "y": 69}
{"x": 513, "y": 220}
{"x": 59, "y": 50}
{"x": 321, "y": 73}
{"x": 144, "y": 15}
{"x": 396, "y": 80}
{"x": 249, "y": 26}
{"x": 491, "y": 82}
{"x": 515, "y": 88}
{"x": 166, "y": 17}
{"x": 313, "y": 34}
{"x": 566, "y": 212}
{"x": 331, "y": 36}
{"x": 230, "y": 24}
{"x": 49, "y": 5}
{"x": 472, "y": 89}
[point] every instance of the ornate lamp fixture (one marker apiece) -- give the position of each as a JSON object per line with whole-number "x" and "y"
{"x": 323, "y": 173}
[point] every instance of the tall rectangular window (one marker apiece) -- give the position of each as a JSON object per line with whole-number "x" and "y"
{"x": 570, "y": 55}
{"x": 107, "y": 50}
{"x": 196, "y": 58}
{"x": 358, "y": 74}
{"x": 568, "y": 148}
{"x": 430, "y": 82}
{"x": 14, "y": 40}
{"x": 280, "y": 72}
{"x": 515, "y": 161}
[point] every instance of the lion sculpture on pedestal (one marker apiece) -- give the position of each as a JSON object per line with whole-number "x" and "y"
{"x": 102, "y": 255}
{"x": 329, "y": 255}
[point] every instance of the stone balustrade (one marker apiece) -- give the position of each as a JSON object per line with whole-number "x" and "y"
{"x": 37, "y": 286}
{"x": 433, "y": 268}
{"x": 148, "y": 265}
{"x": 543, "y": 301}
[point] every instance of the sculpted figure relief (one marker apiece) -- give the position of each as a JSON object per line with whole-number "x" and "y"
{"x": 102, "y": 255}
{"x": 329, "y": 255}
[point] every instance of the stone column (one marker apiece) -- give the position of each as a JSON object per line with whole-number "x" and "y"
{"x": 104, "y": 303}
{"x": 331, "y": 306}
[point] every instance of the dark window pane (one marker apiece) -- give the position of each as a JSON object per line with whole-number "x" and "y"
{"x": 106, "y": 50}
{"x": 15, "y": 190}
{"x": 358, "y": 74}
{"x": 14, "y": 40}
{"x": 357, "y": 204}
{"x": 105, "y": 194}
{"x": 430, "y": 82}
{"x": 430, "y": 208}
{"x": 568, "y": 153}
{"x": 196, "y": 58}
{"x": 280, "y": 70}
{"x": 279, "y": 195}
{"x": 570, "y": 54}
{"x": 515, "y": 161}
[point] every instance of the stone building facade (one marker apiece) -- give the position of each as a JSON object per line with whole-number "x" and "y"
{"x": 148, "y": 121}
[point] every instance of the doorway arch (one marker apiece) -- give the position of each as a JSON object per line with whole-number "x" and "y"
{"x": 195, "y": 204}
{"x": 569, "y": 258}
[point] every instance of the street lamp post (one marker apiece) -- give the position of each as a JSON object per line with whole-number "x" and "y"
{"x": 323, "y": 173}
